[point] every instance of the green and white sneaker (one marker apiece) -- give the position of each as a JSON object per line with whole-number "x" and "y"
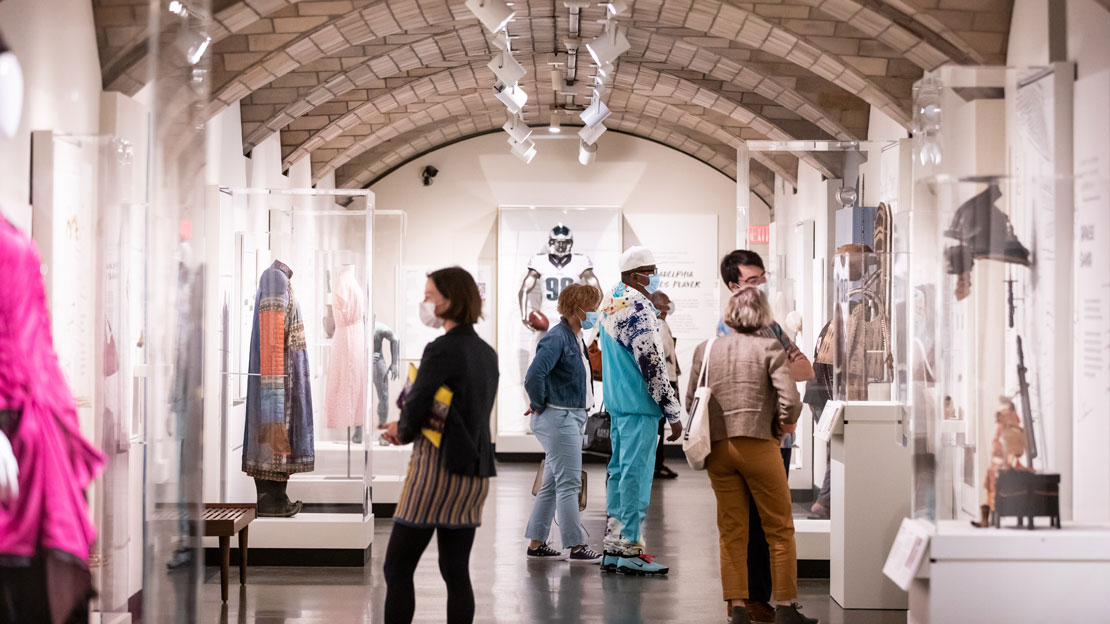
{"x": 640, "y": 565}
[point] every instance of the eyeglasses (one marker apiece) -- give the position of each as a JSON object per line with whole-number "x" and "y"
{"x": 756, "y": 280}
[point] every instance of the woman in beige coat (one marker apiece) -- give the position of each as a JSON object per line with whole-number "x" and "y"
{"x": 751, "y": 387}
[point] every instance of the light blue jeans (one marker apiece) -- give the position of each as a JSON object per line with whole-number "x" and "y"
{"x": 560, "y": 433}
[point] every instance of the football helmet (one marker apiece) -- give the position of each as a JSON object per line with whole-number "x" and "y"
{"x": 561, "y": 241}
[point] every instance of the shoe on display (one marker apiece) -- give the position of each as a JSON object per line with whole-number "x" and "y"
{"x": 740, "y": 616}
{"x": 665, "y": 473}
{"x": 609, "y": 561}
{"x": 543, "y": 551}
{"x": 818, "y": 512}
{"x": 357, "y": 437}
{"x": 288, "y": 509}
{"x": 759, "y": 611}
{"x": 640, "y": 565}
{"x": 585, "y": 555}
{"x": 182, "y": 558}
{"x": 792, "y": 615}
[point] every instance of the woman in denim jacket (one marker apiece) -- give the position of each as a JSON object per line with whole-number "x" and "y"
{"x": 560, "y": 391}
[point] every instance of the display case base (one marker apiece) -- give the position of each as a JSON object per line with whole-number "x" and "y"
{"x": 1013, "y": 575}
{"x": 871, "y": 477}
{"x": 518, "y": 443}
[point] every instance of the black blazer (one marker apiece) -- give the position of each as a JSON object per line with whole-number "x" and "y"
{"x": 467, "y": 365}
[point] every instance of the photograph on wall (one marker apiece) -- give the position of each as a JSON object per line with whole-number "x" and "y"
{"x": 541, "y": 251}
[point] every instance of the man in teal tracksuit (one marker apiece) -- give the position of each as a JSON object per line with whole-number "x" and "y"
{"x": 638, "y": 393}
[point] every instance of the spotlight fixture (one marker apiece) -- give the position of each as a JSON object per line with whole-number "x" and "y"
{"x": 596, "y": 112}
{"x": 524, "y": 150}
{"x": 607, "y": 46}
{"x": 591, "y": 135}
{"x": 427, "y": 173}
{"x": 513, "y": 97}
{"x": 616, "y": 7}
{"x": 557, "y": 83}
{"x": 500, "y": 40}
{"x": 586, "y": 153}
{"x": 554, "y": 128}
{"x": 517, "y": 129}
{"x": 604, "y": 73}
{"x": 506, "y": 68}
{"x": 494, "y": 14}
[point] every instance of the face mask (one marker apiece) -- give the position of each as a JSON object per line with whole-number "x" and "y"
{"x": 590, "y": 321}
{"x": 428, "y": 315}
{"x": 671, "y": 308}
{"x": 764, "y": 289}
{"x": 653, "y": 283}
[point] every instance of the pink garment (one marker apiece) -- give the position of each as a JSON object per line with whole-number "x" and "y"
{"x": 347, "y": 370}
{"x": 56, "y": 463}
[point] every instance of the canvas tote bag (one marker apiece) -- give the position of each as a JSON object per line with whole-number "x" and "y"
{"x": 696, "y": 442}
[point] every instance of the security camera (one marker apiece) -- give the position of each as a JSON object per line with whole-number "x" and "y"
{"x": 427, "y": 173}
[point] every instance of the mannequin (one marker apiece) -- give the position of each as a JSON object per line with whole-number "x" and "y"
{"x": 384, "y": 373}
{"x": 347, "y": 369}
{"x": 278, "y": 436}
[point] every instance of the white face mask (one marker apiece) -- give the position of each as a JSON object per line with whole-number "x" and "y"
{"x": 428, "y": 315}
{"x": 671, "y": 308}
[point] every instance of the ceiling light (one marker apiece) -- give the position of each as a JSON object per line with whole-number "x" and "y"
{"x": 526, "y": 156}
{"x": 596, "y": 112}
{"x": 616, "y": 7}
{"x": 586, "y": 153}
{"x": 520, "y": 147}
{"x": 605, "y": 72}
{"x": 506, "y": 68}
{"x": 500, "y": 40}
{"x": 557, "y": 83}
{"x": 608, "y": 45}
{"x": 512, "y": 97}
{"x": 517, "y": 129}
{"x": 554, "y": 127}
{"x": 494, "y": 14}
{"x": 591, "y": 135}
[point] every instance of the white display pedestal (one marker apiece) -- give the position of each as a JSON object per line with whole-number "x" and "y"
{"x": 518, "y": 443}
{"x": 1013, "y": 575}
{"x": 309, "y": 531}
{"x": 871, "y": 476}
{"x": 391, "y": 464}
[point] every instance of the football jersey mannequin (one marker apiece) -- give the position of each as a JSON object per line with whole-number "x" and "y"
{"x": 549, "y": 273}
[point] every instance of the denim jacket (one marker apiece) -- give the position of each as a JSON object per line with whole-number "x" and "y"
{"x": 557, "y": 375}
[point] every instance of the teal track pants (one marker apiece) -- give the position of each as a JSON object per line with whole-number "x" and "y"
{"x": 631, "y": 470}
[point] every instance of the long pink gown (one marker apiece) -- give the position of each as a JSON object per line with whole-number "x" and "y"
{"x": 348, "y": 366}
{"x": 56, "y": 463}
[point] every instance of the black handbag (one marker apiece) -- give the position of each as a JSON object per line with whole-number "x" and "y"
{"x": 597, "y": 434}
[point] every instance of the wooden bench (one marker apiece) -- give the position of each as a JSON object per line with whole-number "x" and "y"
{"x": 223, "y": 520}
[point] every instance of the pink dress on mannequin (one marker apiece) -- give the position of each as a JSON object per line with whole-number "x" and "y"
{"x": 347, "y": 369}
{"x": 56, "y": 463}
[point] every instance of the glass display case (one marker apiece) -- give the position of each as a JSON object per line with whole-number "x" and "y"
{"x": 861, "y": 343}
{"x": 992, "y": 332}
{"x": 90, "y": 226}
{"x": 293, "y": 339}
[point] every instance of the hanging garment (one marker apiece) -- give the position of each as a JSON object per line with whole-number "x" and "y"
{"x": 278, "y": 436}
{"x": 347, "y": 369}
{"x": 39, "y": 415}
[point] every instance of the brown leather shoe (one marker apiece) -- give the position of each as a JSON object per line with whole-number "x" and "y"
{"x": 759, "y": 611}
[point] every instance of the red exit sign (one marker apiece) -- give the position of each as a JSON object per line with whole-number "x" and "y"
{"x": 759, "y": 234}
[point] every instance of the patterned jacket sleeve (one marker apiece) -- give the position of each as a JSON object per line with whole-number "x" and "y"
{"x": 646, "y": 345}
{"x": 272, "y": 307}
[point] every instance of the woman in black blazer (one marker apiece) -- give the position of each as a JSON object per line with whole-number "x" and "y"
{"x": 447, "y": 484}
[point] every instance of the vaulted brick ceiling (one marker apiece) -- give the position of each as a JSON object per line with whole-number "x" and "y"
{"x": 361, "y": 86}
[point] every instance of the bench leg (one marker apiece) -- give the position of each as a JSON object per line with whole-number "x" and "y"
{"x": 243, "y": 556}
{"x": 225, "y": 563}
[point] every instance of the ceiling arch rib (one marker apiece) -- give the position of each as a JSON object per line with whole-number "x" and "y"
{"x": 467, "y": 41}
{"x": 706, "y": 16}
{"x": 392, "y": 126}
{"x": 414, "y": 144}
{"x": 636, "y": 79}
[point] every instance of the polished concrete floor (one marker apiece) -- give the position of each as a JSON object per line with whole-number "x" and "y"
{"x": 681, "y": 531}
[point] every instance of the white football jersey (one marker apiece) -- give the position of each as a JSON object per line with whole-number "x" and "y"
{"x": 553, "y": 279}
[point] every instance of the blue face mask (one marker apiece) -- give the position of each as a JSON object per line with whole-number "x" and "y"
{"x": 653, "y": 283}
{"x": 591, "y": 320}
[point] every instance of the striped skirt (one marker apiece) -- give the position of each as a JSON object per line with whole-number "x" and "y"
{"x": 433, "y": 497}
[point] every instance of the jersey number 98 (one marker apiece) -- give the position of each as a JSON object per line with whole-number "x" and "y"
{"x": 555, "y": 286}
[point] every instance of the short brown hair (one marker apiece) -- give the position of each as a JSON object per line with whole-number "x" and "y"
{"x": 748, "y": 311}
{"x": 577, "y": 296}
{"x": 458, "y": 287}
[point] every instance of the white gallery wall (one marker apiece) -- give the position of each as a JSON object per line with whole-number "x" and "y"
{"x": 454, "y": 221}
{"x": 61, "y": 85}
